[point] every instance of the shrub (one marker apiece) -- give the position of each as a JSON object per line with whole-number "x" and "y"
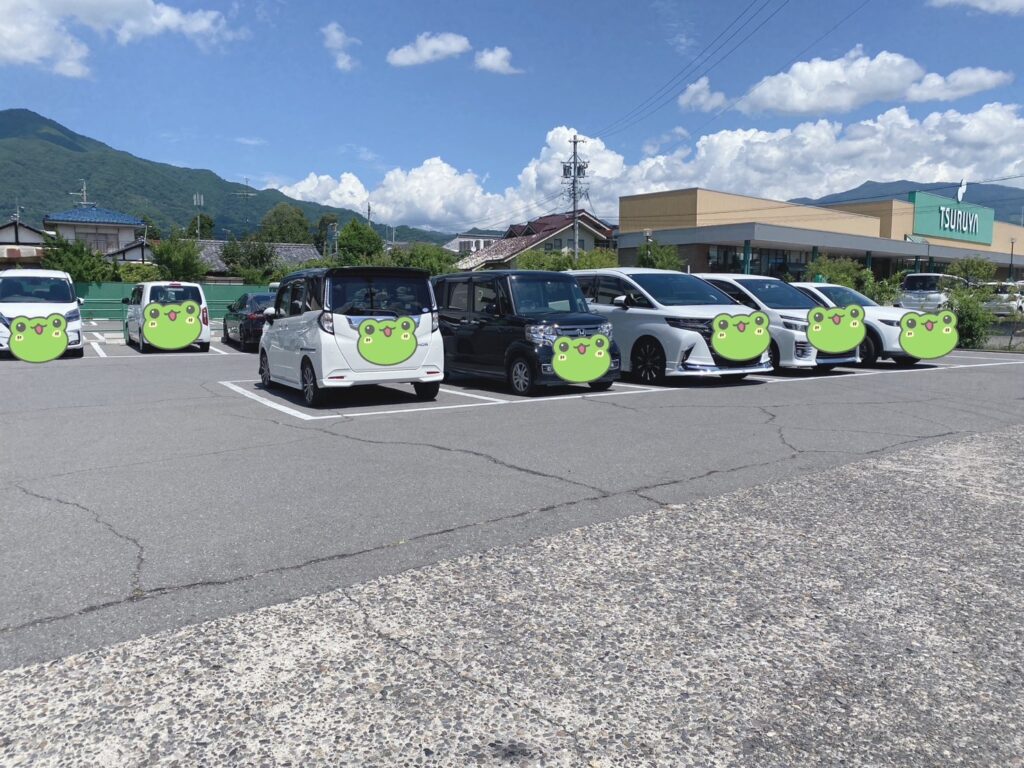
{"x": 131, "y": 272}
{"x": 179, "y": 259}
{"x": 77, "y": 259}
{"x": 974, "y": 322}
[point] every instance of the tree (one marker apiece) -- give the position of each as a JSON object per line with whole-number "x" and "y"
{"x": 77, "y": 259}
{"x": 653, "y": 255}
{"x": 322, "y": 225}
{"x": 134, "y": 272}
{"x": 599, "y": 258}
{"x": 973, "y": 270}
{"x": 179, "y": 259}
{"x": 559, "y": 261}
{"x": 285, "y": 223}
{"x": 205, "y": 227}
{"x": 358, "y": 244}
{"x": 846, "y": 272}
{"x": 433, "y": 258}
{"x": 150, "y": 231}
{"x": 253, "y": 259}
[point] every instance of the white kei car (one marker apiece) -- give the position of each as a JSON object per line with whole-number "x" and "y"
{"x": 347, "y": 326}
{"x": 164, "y": 292}
{"x": 40, "y": 293}
{"x": 882, "y": 339}
{"x": 662, "y": 322}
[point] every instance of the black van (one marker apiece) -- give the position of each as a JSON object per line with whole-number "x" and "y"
{"x": 504, "y": 324}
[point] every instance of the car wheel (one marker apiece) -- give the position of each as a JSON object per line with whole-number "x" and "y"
{"x": 868, "y": 352}
{"x": 204, "y": 346}
{"x": 311, "y": 392}
{"x": 225, "y": 337}
{"x": 600, "y": 386}
{"x": 144, "y": 348}
{"x": 80, "y": 352}
{"x": 521, "y": 378}
{"x": 732, "y": 378}
{"x": 265, "y": 379}
{"x": 775, "y": 356}
{"x": 647, "y": 362}
{"x": 127, "y": 336}
{"x": 427, "y": 390}
{"x": 906, "y": 362}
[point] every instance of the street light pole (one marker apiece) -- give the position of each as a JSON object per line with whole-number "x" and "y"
{"x": 1013, "y": 240}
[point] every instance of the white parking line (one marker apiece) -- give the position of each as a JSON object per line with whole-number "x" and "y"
{"x": 97, "y": 348}
{"x": 632, "y": 386}
{"x": 218, "y": 351}
{"x": 942, "y": 367}
{"x": 99, "y": 336}
{"x": 470, "y": 394}
{"x": 993, "y": 356}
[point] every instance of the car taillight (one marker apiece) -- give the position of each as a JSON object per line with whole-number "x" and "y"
{"x": 433, "y": 321}
{"x": 254, "y": 316}
{"x": 326, "y": 321}
{"x": 206, "y": 317}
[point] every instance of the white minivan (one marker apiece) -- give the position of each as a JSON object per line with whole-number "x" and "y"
{"x": 787, "y": 308}
{"x": 662, "y": 321}
{"x": 347, "y": 326}
{"x": 40, "y": 293}
{"x": 173, "y": 327}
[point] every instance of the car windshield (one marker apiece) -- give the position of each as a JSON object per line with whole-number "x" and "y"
{"x": 676, "y": 290}
{"x": 174, "y": 294}
{"x": 777, "y": 294}
{"x": 379, "y": 294}
{"x": 930, "y": 283}
{"x": 260, "y": 301}
{"x": 535, "y": 294}
{"x": 36, "y": 290}
{"x": 842, "y": 296}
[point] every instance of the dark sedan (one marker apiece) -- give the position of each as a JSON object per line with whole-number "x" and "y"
{"x": 243, "y": 322}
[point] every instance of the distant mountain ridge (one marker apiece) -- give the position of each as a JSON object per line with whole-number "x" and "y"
{"x": 1006, "y": 201}
{"x": 41, "y": 161}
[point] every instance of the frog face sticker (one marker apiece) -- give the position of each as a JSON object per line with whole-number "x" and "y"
{"x": 387, "y": 342}
{"x": 582, "y": 360}
{"x": 39, "y": 339}
{"x": 834, "y": 330}
{"x": 171, "y": 326}
{"x": 927, "y": 336}
{"x": 740, "y": 337}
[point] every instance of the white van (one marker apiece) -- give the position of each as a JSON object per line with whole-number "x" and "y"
{"x": 167, "y": 315}
{"x": 40, "y": 293}
{"x": 346, "y": 326}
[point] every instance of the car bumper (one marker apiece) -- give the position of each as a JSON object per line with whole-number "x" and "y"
{"x": 794, "y": 349}
{"x": 340, "y": 379}
{"x": 76, "y": 339}
{"x": 837, "y": 359}
{"x": 546, "y": 376}
{"x": 699, "y": 369}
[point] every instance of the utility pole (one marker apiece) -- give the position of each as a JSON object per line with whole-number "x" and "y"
{"x": 197, "y": 201}
{"x": 572, "y": 172}
{"x": 369, "y": 222}
{"x": 83, "y": 194}
{"x": 245, "y": 197}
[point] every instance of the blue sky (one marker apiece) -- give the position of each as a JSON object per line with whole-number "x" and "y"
{"x": 469, "y": 126}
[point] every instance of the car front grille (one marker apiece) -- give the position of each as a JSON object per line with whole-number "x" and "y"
{"x": 804, "y": 349}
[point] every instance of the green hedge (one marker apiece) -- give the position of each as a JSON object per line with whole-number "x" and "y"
{"x": 103, "y": 300}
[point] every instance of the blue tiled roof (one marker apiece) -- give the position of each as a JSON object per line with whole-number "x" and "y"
{"x": 92, "y": 215}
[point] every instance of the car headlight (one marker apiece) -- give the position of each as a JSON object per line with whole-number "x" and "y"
{"x": 794, "y": 325}
{"x": 73, "y": 316}
{"x": 606, "y": 329}
{"x": 893, "y": 323}
{"x": 689, "y": 324}
{"x": 541, "y": 334}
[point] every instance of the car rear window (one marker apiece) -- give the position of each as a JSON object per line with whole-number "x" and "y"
{"x": 36, "y": 290}
{"x": 261, "y": 301}
{"x": 174, "y": 294}
{"x": 379, "y": 294}
{"x": 777, "y": 294}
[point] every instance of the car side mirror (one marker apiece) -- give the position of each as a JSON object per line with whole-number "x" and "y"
{"x": 123, "y": 301}
{"x": 269, "y": 314}
{"x": 81, "y": 301}
{"x": 620, "y": 301}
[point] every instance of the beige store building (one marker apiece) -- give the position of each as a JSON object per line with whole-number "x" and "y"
{"x": 722, "y": 232}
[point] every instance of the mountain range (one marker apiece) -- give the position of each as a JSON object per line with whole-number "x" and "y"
{"x": 41, "y": 161}
{"x": 1008, "y": 202}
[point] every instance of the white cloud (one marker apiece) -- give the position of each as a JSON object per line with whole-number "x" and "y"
{"x": 428, "y": 47}
{"x": 39, "y": 32}
{"x": 813, "y": 158}
{"x": 699, "y": 96}
{"x": 957, "y": 84}
{"x": 336, "y": 41}
{"x": 498, "y": 60}
{"x": 251, "y": 141}
{"x": 841, "y": 85}
{"x": 653, "y": 146}
{"x": 1012, "y": 7}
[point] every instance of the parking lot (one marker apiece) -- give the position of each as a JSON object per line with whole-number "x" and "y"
{"x": 147, "y": 493}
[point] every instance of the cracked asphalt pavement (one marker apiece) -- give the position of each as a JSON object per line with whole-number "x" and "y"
{"x": 140, "y": 495}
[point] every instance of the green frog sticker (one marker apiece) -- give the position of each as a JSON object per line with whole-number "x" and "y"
{"x": 39, "y": 339}
{"x": 928, "y": 335}
{"x": 387, "y": 342}
{"x": 582, "y": 360}
{"x": 740, "y": 337}
{"x": 834, "y": 330}
{"x": 171, "y": 326}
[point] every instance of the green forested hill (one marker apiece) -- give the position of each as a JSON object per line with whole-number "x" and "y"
{"x": 41, "y": 161}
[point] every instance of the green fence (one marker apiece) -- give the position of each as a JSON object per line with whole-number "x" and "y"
{"x": 103, "y": 300}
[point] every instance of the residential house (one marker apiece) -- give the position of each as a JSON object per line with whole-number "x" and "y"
{"x": 470, "y": 242}
{"x": 20, "y": 244}
{"x": 291, "y": 254}
{"x": 548, "y": 233}
{"x": 105, "y": 231}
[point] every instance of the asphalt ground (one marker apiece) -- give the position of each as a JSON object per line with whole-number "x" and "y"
{"x": 140, "y": 493}
{"x": 868, "y": 614}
